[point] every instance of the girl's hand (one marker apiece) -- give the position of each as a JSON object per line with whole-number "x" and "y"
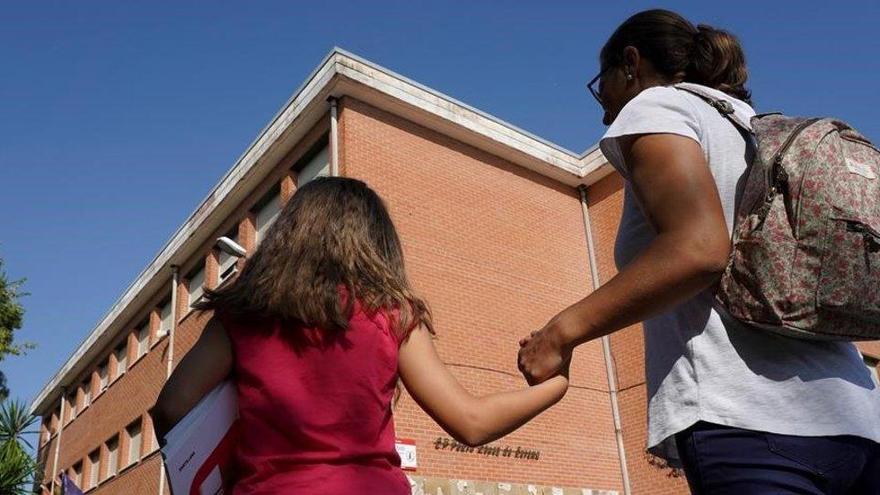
{"x": 543, "y": 353}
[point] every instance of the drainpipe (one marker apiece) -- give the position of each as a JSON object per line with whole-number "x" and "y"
{"x": 58, "y": 443}
{"x": 175, "y": 276}
{"x": 606, "y": 348}
{"x": 334, "y": 139}
{"x": 169, "y": 364}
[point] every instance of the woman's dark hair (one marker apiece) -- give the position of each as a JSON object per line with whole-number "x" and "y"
{"x": 681, "y": 52}
{"x": 332, "y": 243}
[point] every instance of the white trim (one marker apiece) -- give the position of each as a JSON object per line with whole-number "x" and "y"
{"x": 340, "y": 74}
{"x": 610, "y": 368}
{"x": 334, "y": 139}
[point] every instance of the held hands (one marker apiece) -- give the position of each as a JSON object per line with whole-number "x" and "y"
{"x": 543, "y": 353}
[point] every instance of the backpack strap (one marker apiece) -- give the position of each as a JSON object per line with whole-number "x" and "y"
{"x": 724, "y": 107}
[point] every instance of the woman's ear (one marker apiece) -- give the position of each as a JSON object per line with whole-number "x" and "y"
{"x": 631, "y": 63}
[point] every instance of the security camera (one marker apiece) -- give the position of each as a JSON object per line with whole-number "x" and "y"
{"x": 230, "y": 247}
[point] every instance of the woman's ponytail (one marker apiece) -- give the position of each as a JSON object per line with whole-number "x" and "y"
{"x": 717, "y": 60}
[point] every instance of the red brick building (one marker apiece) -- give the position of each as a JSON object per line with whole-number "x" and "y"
{"x": 501, "y": 229}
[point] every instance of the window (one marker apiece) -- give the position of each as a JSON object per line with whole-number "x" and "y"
{"x": 196, "y": 285}
{"x": 76, "y": 475}
{"x": 104, "y": 376}
{"x": 150, "y": 439}
{"x": 227, "y": 261}
{"x": 317, "y": 166}
{"x": 112, "y": 456}
{"x": 134, "y": 432}
{"x": 87, "y": 394}
{"x": 267, "y": 211}
{"x": 54, "y": 421}
{"x": 165, "y": 318}
{"x": 71, "y": 406}
{"x": 143, "y": 338}
{"x": 872, "y": 364}
{"x": 94, "y": 468}
{"x": 44, "y": 432}
{"x": 121, "y": 354}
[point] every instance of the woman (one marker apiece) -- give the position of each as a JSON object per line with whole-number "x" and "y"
{"x": 741, "y": 410}
{"x": 315, "y": 333}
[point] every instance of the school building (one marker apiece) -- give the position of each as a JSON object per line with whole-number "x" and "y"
{"x": 501, "y": 229}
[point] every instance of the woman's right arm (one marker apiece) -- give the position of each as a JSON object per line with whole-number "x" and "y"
{"x": 469, "y": 419}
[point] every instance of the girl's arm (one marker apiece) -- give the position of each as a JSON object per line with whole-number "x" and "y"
{"x": 206, "y": 365}
{"x": 469, "y": 419}
{"x": 677, "y": 193}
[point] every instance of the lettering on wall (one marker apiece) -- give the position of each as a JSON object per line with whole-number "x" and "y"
{"x": 518, "y": 452}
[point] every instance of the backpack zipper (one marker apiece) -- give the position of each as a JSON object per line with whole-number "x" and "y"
{"x": 870, "y": 238}
{"x": 776, "y": 176}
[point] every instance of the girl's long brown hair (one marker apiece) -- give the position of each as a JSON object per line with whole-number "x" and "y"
{"x": 334, "y": 233}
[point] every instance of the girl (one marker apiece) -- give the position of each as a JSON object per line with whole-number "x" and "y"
{"x": 315, "y": 332}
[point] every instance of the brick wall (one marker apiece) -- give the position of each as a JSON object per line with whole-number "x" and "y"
{"x": 497, "y": 251}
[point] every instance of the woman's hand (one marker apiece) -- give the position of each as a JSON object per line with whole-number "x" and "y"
{"x": 544, "y": 353}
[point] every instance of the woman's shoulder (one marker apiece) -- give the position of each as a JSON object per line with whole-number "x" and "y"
{"x": 659, "y": 101}
{"x": 658, "y": 109}
{"x": 695, "y": 94}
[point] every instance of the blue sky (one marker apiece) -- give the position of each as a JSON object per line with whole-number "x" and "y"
{"x": 116, "y": 118}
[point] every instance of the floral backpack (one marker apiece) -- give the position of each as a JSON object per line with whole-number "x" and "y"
{"x": 805, "y": 260}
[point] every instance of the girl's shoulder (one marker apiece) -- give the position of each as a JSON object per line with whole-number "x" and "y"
{"x": 386, "y": 320}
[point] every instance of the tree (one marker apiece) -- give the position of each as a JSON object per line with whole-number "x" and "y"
{"x": 17, "y": 468}
{"x": 11, "y": 319}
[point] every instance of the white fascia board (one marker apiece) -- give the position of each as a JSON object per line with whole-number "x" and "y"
{"x": 449, "y": 111}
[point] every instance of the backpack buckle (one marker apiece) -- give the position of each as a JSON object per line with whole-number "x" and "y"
{"x": 723, "y": 106}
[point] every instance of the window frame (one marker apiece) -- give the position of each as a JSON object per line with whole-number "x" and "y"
{"x": 310, "y": 164}
{"x": 77, "y": 472}
{"x": 103, "y": 379}
{"x": 139, "y": 425}
{"x": 120, "y": 370}
{"x": 272, "y": 197}
{"x": 87, "y": 394}
{"x": 72, "y": 410}
{"x": 94, "y": 469}
{"x": 198, "y": 272}
{"x": 112, "y": 457}
{"x": 162, "y": 330}
{"x": 143, "y": 345}
{"x": 224, "y": 273}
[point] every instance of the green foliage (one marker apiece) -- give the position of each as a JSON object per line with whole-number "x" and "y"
{"x": 11, "y": 319}
{"x": 11, "y": 314}
{"x": 17, "y": 467}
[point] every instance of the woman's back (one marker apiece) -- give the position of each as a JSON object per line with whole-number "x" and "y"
{"x": 704, "y": 366}
{"x": 315, "y": 407}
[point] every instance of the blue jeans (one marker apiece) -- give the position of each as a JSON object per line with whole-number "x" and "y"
{"x": 719, "y": 460}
